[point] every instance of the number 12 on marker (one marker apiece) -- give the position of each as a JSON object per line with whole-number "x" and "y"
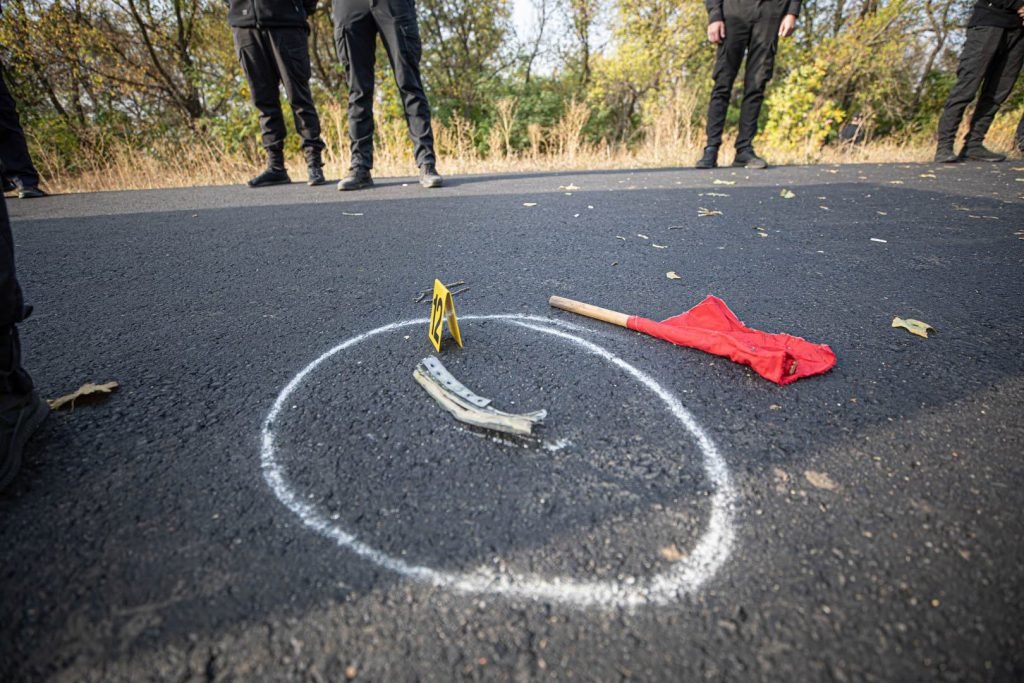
{"x": 442, "y": 307}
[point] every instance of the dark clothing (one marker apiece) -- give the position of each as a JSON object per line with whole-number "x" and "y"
{"x": 269, "y": 13}
{"x": 14, "y": 156}
{"x": 991, "y": 59}
{"x": 851, "y": 134}
{"x": 751, "y": 30}
{"x": 1001, "y": 13}
{"x": 717, "y": 8}
{"x": 15, "y": 383}
{"x": 356, "y": 25}
{"x": 270, "y": 56}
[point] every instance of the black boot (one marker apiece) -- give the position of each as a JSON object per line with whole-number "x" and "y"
{"x": 978, "y": 152}
{"x": 429, "y": 177}
{"x": 314, "y": 168}
{"x": 710, "y": 158}
{"x": 944, "y": 154}
{"x": 21, "y": 409}
{"x": 747, "y": 158}
{"x": 275, "y": 173}
{"x": 357, "y": 179}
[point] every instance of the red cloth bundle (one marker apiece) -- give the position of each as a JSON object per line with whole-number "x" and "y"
{"x": 710, "y": 326}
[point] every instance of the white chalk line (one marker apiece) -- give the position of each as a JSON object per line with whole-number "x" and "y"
{"x": 683, "y": 578}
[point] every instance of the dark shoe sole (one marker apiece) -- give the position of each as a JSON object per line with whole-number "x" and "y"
{"x": 342, "y": 187}
{"x": 991, "y": 160}
{"x": 947, "y": 159}
{"x": 314, "y": 182}
{"x": 760, "y": 166}
{"x": 268, "y": 183}
{"x": 30, "y": 419}
{"x": 703, "y": 166}
{"x": 431, "y": 183}
{"x": 31, "y": 193}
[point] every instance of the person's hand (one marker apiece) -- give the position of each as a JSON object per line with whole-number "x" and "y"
{"x": 716, "y": 32}
{"x": 1020, "y": 12}
{"x": 787, "y": 26}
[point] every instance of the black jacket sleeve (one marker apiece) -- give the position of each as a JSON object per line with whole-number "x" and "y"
{"x": 793, "y": 7}
{"x": 310, "y": 6}
{"x": 715, "y": 10}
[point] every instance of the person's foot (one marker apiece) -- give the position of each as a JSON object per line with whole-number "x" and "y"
{"x": 945, "y": 155}
{"x": 9, "y": 185}
{"x": 357, "y": 179}
{"x": 270, "y": 176}
{"x": 980, "y": 153}
{"x": 747, "y": 158}
{"x": 30, "y": 192}
{"x": 429, "y": 177}
{"x": 16, "y": 426}
{"x": 710, "y": 158}
{"x": 316, "y": 176}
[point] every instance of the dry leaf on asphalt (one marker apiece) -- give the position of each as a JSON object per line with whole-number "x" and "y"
{"x": 724, "y": 182}
{"x": 921, "y": 329}
{"x": 1020, "y": 235}
{"x": 620, "y": 237}
{"x": 86, "y": 390}
{"x": 712, "y": 194}
{"x": 529, "y": 203}
{"x": 570, "y": 187}
{"x": 673, "y": 275}
{"x": 659, "y": 246}
{"x": 350, "y": 213}
{"x": 787, "y": 194}
{"x": 820, "y": 480}
{"x": 671, "y": 553}
{"x": 927, "y": 175}
{"x": 703, "y": 213}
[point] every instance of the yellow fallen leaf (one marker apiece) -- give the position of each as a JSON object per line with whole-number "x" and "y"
{"x": 84, "y": 390}
{"x": 787, "y": 194}
{"x": 1017, "y": 168}
{"x": 928, "y": 175}
{"x": 703, "y": 213}
{"x": 724, "y": 182}
{"x": 820, "y": 480}
{"x": 673, "y": 275}
{"x": 671, "y": 553}
{"x": 921, "y": 329}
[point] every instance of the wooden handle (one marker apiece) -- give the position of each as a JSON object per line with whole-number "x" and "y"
{"x": 580, "y": 308}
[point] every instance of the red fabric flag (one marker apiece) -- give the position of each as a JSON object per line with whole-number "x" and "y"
{"x": 710, "y": 326}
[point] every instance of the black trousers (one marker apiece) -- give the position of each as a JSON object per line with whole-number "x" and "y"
{"x": 357, "y": 23}
{"x": 15, "y": 383}
{"x": 751, "y": 30}
{"x": 273, "y": 56}
{"x": 991, "y": 59}
{"x": 14, "y": 157}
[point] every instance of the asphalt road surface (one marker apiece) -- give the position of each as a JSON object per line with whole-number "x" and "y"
{"x": 271, "y": 497}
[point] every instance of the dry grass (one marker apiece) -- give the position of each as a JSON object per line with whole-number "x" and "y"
{"x": 670, "y": 140}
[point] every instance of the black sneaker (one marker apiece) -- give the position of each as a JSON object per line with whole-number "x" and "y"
{"x": 271, "y": 176}
{"x": 945, "y": 155}
{"x": 429, "y": 177}
{"x": 710, "y": 158}
{"x": 357, "y": 179}
{"x": 9, "y": 185}
{"x": 747, "y": 158}
{"x": 30, "y": 192}
{"x": 16, "y": 426}
{"x": 316, "y": 176}
{"x": 980, "y": 153}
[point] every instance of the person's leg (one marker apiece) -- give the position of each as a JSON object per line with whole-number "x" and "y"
{"x": 764, "y": 42}
{"x": 728, "y": 61}
{"x": 356, "y": 40}
{"x": 256, "y": 55}
{"x": 1000, "y": 77}
{"x": 1018, "y": 138}
{"x": 396, "y": 20}
{"x": 14, "y": 156}
{"x": 21, "y": 409}
{"x": 979, "y": 47}
{"x": 291, "y": 52}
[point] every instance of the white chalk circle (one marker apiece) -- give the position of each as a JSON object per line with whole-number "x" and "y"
{"x": 683, "y": 578}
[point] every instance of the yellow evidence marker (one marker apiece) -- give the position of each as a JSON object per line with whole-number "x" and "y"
{"x": 442, "y": 307}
